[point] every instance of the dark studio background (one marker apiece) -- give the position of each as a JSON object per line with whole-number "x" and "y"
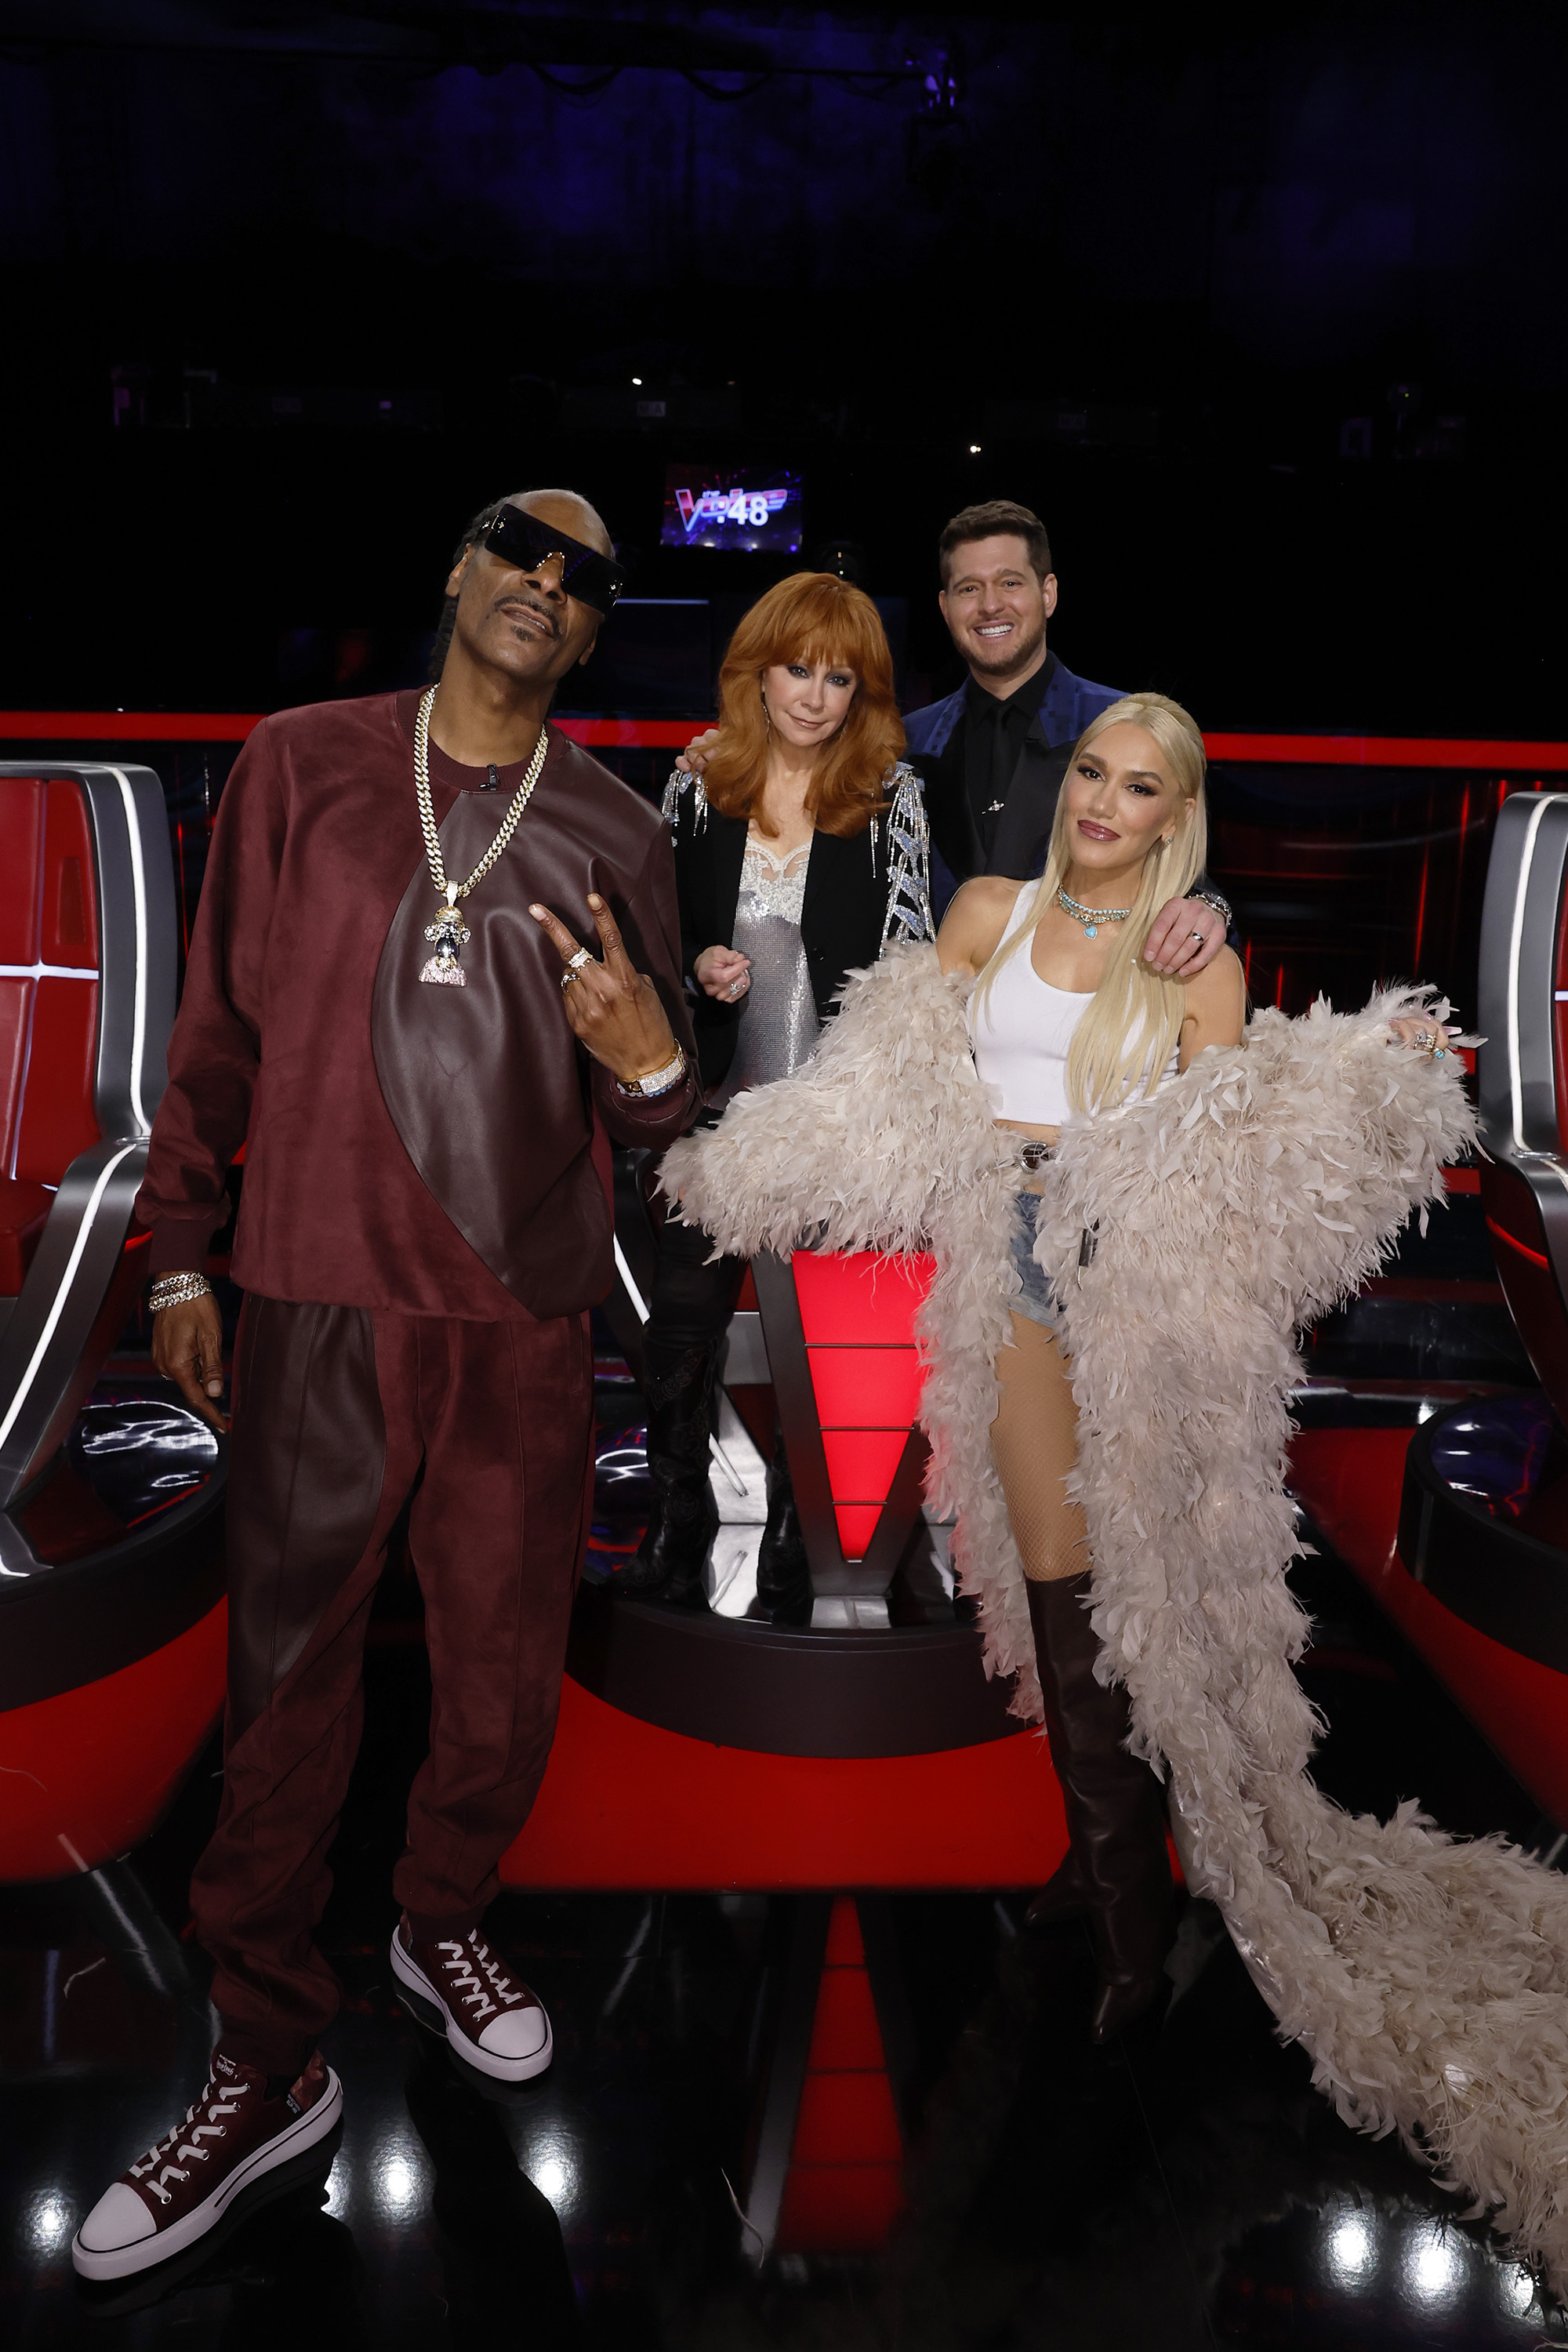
{"x": 1265, "y": 314}
{"x": 1264, "y": 317}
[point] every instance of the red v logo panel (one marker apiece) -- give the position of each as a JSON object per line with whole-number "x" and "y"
{"x": 857, "y": 1318}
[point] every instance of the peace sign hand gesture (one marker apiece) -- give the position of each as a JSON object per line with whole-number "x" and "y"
{"x": 610, "y": 1006}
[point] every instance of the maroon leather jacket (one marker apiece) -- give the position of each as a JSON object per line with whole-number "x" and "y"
{"x": 417, "y": 1150}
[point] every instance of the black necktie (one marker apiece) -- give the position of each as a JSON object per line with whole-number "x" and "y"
{"x": 990, "y": 775}
{"x": 1003, "y": 759}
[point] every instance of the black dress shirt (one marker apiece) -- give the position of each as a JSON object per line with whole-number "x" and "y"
{"x": 994, "y": 729}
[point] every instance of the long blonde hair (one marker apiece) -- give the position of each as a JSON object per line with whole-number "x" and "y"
{"x": 1134, "y": 1019}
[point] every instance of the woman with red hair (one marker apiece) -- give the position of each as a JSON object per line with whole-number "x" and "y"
{"x": 800, "y": 851}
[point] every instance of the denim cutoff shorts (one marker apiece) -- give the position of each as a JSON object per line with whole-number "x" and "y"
{"x": 1038, "y": 1300}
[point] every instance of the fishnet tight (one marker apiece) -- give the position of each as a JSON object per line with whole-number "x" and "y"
{"x": 1035, "y": 1439}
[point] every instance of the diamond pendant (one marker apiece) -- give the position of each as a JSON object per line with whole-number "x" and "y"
{"x": 450, "y": 933}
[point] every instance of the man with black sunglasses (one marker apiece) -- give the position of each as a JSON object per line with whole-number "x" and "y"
{"x": 393, "y": 970}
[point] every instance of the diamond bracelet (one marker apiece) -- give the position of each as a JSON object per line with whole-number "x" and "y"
{"x": 657, "y": 1082}
{"x": 177, "y": 1290}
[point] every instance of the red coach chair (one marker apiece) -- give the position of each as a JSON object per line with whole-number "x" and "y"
{"x": 110, "y": 1580}
{"x": 86, "y": 1000}
{"x": 1523, "y": 1074}
{"x": 1459, "y": 1529}
{"x": 832, "y": 1762}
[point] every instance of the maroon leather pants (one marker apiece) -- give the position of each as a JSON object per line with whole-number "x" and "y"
{"x": 338, "y": 1410}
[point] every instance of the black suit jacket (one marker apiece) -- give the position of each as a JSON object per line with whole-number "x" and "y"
{"x": 841, "y": 923}
{"x": 1024, "y": 827}
{"x": 935, "y": 735}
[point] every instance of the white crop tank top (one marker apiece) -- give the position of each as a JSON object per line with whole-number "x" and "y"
{"x": 1021, "y": 1035}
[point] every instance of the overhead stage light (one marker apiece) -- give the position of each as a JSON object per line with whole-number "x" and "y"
{"x": 1433, "y": 2263}
{"x": 553, "y": 2174}
{"x": 396, "y": 2174}
{"x": 1518, "y": 2290}
{"x": 47, "y": 2224}
{"x": 1349, "y": 2248}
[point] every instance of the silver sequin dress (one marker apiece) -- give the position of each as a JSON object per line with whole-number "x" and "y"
{"x": 778, "y": 1025}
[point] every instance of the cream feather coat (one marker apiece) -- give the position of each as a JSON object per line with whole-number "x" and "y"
{"x": 1428, "y": 1979}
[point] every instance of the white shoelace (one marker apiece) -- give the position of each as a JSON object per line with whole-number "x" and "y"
{"x": 176, "y": 2169}
{"x": 460, "y": 1966}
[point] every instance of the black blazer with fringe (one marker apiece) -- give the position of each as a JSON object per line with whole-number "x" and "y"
{"x": 843, "y": 921}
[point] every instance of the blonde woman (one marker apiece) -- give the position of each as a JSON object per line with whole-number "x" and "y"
{"x": 1067, "y": 1015}
{"x": 1071, "y": 1027}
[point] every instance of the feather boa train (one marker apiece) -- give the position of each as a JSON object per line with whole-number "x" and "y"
{"x": 1426, "y": 1977}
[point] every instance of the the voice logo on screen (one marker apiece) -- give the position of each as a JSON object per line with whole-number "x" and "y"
{"x": 746, "y": 507}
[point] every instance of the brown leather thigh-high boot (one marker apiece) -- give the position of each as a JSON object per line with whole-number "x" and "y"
{"x": 1114, "y": 1815}
{"x": 1063, "y": 1896}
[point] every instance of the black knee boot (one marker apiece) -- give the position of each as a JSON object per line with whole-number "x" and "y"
{"x": 1115, "y": 1817}
{"x": 783, "y": 1578}
{"x": 1063, "y": 1896}
{"x": 678, "y": 1378}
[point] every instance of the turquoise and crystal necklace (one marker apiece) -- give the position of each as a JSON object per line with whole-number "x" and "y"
{"x": 1090, "y": 918}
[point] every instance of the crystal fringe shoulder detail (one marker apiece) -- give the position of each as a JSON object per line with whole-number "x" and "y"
{"x": 680, "y": 782}
{"x": 909, "y": 915}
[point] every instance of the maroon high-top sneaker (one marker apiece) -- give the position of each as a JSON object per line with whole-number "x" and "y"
{"x": 488, "y": 2015}
{"x": 234, "y": 2136}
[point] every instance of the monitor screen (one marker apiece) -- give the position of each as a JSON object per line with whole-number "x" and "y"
{"x": 739, "y": 507}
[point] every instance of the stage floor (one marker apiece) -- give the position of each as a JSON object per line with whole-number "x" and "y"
{"x": 1185, "y": 2190}
{"x": 1189, "y": 2189}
